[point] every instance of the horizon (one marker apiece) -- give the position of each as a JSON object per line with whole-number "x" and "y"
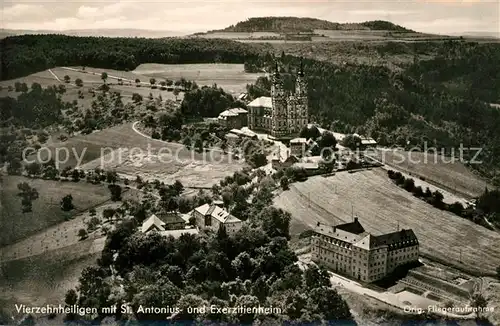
{"x": 450, "y": 17}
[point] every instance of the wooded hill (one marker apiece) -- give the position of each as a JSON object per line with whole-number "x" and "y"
{"x": 443, "y": 101}
{"x": 298, "y": 24}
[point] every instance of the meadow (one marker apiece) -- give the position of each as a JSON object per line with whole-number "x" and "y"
{"x": 136, "y": 154}
{"x": 46, "y": 210}
{"x": 383, "y": 207}
{"x": 130, "y": 153}
{"x": 44, "y": 279}
{"x": 231, "y": 77}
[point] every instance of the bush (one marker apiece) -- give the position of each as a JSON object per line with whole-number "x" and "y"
{"x": 409, "y": 184}
{"x": 418, "y": 191}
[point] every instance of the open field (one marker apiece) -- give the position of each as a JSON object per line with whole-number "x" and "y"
{"x": 448, "y": 197}
{"x": 231, "y": 77}
{"x": 44, "y": 279}
{"x": 46, "y": 209}
{"x": 454, "y": 177}
{"x": 63, "y": 234}
{"x": 156, "y": 159}
{"x": 382, "y": 207}
{"x": 130, "y": 153}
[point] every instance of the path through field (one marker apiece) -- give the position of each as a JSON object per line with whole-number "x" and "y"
{"x": 383, "y": 207}
{"x": 55, "y": 76}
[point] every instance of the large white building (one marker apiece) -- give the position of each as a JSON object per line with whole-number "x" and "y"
{"x": 348, "y": 249}
{"x": 212, "y": 217}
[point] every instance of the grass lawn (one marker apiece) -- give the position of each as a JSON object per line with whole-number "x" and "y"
{"x": 46, "y": 212}
{"x": 381, "y": 207}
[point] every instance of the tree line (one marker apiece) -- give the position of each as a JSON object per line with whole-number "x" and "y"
{"x": 487, "y": 205}
{"x": 27, "y": 54}
{"x": 407, "y": 108}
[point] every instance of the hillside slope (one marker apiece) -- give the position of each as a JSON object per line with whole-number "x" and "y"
{"x": 299, "y": 24}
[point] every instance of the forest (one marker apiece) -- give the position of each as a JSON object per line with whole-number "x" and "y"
{"x": 443, "y": 101}
{"x": 304, "y": 24}
{"x": 253, "y": 267}
{"x": 27, "y": 54}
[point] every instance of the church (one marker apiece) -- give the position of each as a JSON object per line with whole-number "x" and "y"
{"x": 285, "y": 113}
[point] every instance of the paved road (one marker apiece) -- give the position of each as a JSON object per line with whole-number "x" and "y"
{"x": 404, "y": 300}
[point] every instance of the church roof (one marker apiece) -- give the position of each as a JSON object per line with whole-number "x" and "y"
{"x": 263, "y": 101}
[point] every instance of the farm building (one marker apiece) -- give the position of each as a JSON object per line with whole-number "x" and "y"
{"x": 243, "y": 133}
{"x": 168, "y": 221}
{"x": 172, "y": 225}
{"x": 311, "y": 168}
{"x": 231, "y": 139}
{"x": 298, "y": 146}
{"x": 212, "y": 217}
{"x": 366, "y": 142}
{"x": 289, "y": 161}
{"x": 350, "y": 250}
{"x": 235, "y": 118}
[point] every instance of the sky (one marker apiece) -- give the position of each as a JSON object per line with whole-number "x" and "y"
{"x": 430, "y": 16}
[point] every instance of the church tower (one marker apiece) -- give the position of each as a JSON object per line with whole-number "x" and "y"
{"x": 301, "y": 112}
{"x": 279, "y": 104}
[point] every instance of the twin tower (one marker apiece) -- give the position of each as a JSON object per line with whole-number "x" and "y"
{"x": 290, "y": 112}
{"x": 285, "y": 113}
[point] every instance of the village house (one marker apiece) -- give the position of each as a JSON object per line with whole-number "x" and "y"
{"x": 169, "y": 224}
{"x": 232, "y": 139}
{"x": 278, "y": 164}
{"x": 213, "y": 216}
{"x": 235, "y": 118}
{"x": 348, "y": 249}
{"x": 311, "y": 168}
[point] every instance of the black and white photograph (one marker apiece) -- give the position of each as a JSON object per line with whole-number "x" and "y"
{"x": 202, "y": 162}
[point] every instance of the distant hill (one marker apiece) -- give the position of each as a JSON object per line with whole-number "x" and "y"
{"x": 96, "y": 32}
{"x": 299, "y": 24}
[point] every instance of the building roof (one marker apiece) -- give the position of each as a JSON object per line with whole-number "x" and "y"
{"x": 234, "y": 112}
{"x": 306, "y": 165}
{"x": 171, "y": 218}
{"x": 298, "y": 141}
{"x": 216, "y": 212}
{"x": 368, "y": 141}
{"x": 238, "y": 110}
{"x": 398, "y": 239}
{"x": 243, "y": 132}
{"x": 229, "y": 135}
{"x": 152, "y": 221}
{"x": 353, "y": 227}
{"x": 262, "y": 101}
{"x": 355, "y": 234}
{"x": 227, "y": 113}
{"x": 177, "y": 233}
